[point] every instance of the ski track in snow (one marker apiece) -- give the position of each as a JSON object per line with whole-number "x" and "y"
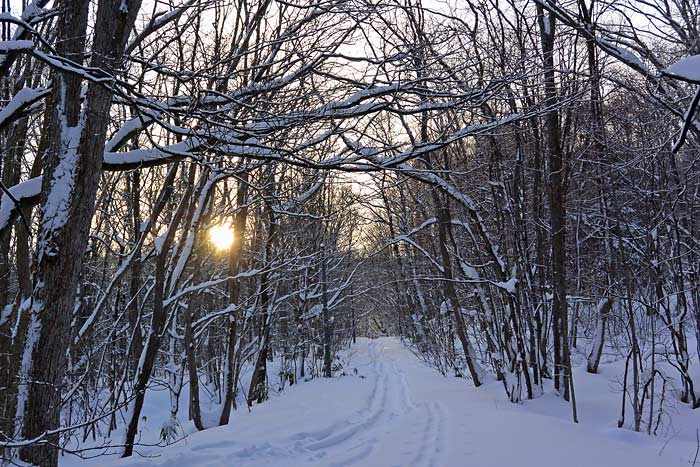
{"x": 359, "y": 441}
{"x": 429, "y": 450}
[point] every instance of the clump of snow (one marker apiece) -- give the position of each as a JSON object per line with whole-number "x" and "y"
{"x": 547, "y": 21}
{"x": 24, "y": 98}
{"x": 159, "y": 242}
{"x": 687, "y": 69}
{"x": 26, "y": 189}
{"x": 32, "y": 339}
{"x": 16, "y": 45}
{"x": 625, "y": 55}
{"x": 510, "y": 285}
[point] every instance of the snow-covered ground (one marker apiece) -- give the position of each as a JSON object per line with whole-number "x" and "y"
{"x": 397, "y": 412}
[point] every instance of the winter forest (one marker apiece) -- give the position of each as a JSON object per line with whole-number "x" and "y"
{"x": 376, "y": 233}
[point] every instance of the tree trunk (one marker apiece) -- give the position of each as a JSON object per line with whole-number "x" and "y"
{"x": 195, "y": 411}
{"x": 158, "y": 319}
{"x": 598, "y": 339}
{"x": 135, "y": 279}
{"x": 234, "y": 265}
{"x": 327, "y": 370}
{"x": 444, "y": 223}
{"x": 258, "y": 388}
{"x": 557, "y": 207}
{"x": 73, "y": 164}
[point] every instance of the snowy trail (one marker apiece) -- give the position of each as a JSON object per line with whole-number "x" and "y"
{"x": 399, "y": 413}
{"x": 398, "y": 430}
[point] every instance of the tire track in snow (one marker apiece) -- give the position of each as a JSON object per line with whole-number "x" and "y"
{"x": 405, "y": 389}
{"x": 309, "y": 447}
{"x": 441, "y": 445}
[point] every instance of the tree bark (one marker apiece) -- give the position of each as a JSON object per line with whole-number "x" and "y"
{"x": 195, "y": 411}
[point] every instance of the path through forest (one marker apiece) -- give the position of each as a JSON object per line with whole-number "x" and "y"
{"x": 393, "y": 411}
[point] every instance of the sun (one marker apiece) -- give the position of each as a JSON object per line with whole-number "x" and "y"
{"x": 221, "y": 235}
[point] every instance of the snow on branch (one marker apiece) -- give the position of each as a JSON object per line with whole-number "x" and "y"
{"x": 33, "y": 13}
{"x": 14, "y": 198}
{"x": 687, "y": 69}
{"x": 16, "y": 46}
{"x": 20, "y": 104}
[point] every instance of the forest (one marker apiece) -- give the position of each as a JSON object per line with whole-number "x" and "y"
{"x": 216, "y": 201}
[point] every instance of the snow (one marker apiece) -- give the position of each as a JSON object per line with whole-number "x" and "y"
{"x": 31, "y": 341}
{"x": 395, "y": 411}
{"x": 625, "y": 55}
{"x": 15, "y": 46}
{"x": 128, "y": 130}
{"x": 547, "y": 21}
{"x": 144, "y": 156}
{"x": 159, "y": 242}
{"x": 687, "y": 69}
{"x": 23, "y": 99}
{"x": 510, "y": 285}
{"x": 26, "y": 189}
{"x": 5, "y": 313}
{"x": 58, "y": 200}
{"x": 314, "y": 312}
